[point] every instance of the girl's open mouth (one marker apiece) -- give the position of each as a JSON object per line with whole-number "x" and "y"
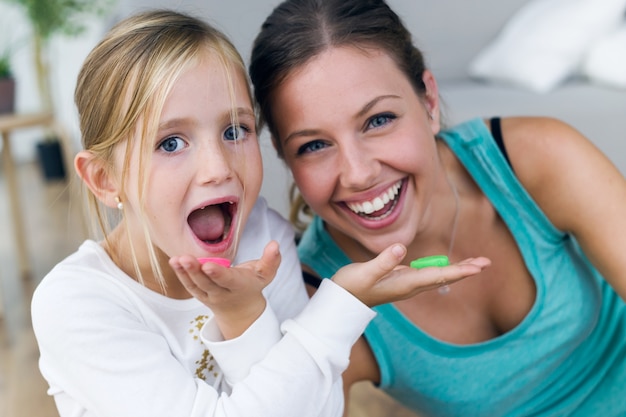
{"x": 212, "y": 224}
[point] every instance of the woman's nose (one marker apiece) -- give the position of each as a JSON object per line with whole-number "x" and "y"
{"x": 359, "y": 168}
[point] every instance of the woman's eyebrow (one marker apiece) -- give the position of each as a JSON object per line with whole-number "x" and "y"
{"x": 303, "y": 132}
{"x": 368, "y": 106}
{"x": 372, "y": 103}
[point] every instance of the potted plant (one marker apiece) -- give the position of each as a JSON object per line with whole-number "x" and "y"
{"x": 7, "y": 83}
{"x": 49, "y": 18}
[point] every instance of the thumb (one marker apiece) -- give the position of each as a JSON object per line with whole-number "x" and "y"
{"x": 358, "y": 277}
{"x": 388, "y": 259}
{"x": 267, "y": 266}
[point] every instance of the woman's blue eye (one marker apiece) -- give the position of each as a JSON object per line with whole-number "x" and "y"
{"x": 312, "y": 146}
{"x": 172, "y": 144}
{"x": 380, "y": 120}
{"x": 235, "y": 132}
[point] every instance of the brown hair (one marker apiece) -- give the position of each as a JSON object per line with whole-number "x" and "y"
{"x": 299, "y": 30}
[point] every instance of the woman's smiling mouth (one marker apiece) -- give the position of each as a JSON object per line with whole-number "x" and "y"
{"x": 379, "y": 207}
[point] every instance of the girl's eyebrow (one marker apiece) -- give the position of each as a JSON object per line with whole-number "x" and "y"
{"x": 182, "y": 121}
{"x": 245, "y": 111}
{"x": 238, "y": 112}
{"x": 168, "y": 124}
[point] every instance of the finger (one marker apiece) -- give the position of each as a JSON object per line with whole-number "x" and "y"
{"x": 268, "y": 265}
{"x": 206, "y": 278}
{"x": 212, "y": 276}
{"x": 411, "y": 281}
{"x": 387, "y": 260}
{"x": 185, "y": 269}
{"x": 359, "y": 278}
{"x": 480, "y": 261}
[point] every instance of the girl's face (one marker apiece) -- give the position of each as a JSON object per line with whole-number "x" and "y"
{"x": 360, "y": 144}
{"x": 205, "y": 171}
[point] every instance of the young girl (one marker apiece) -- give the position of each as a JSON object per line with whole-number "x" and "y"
{"x": 355, "y": 114}
{"x": 169, "y": 135}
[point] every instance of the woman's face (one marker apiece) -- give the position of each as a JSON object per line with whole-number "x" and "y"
{"x": 360, "y": 144}
{"x": 205, "y": 171}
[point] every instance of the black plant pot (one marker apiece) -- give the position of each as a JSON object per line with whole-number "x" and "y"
{"x": 7, "y": 95}
{"x": 50, "y": 157}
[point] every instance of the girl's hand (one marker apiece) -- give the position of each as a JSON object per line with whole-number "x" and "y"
{"x": 382, "y": 280}
{"x": 233, "y": 294}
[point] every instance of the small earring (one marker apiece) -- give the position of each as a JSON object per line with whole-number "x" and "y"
{"x": 120, "y": 205}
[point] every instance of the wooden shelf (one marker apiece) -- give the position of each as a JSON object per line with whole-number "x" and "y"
{"x": 8, "y": 124}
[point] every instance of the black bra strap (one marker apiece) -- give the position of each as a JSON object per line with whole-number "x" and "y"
{"x": 311, "y": 279}
{"x": 496, "y": 132}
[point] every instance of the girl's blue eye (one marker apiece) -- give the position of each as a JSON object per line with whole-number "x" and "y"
{"x": 310, "y": 147}
{"x": 172, "y": 144}
{"x": 380, "y": 120}
{"x": 235, "y": 132}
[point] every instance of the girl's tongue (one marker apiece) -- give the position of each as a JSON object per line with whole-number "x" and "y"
{"x": 209, "y": 223}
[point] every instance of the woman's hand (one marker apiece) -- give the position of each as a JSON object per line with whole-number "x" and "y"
{"x": 382, "y": 280}
{"x": 233, "y": 294}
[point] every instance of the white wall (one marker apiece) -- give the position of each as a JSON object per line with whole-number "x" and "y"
{"x": 447, "y": 37}
{"x": 239, "y": 19}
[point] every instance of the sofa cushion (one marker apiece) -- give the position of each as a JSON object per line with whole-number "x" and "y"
{"x": 605, "y": 62}
{"x": 597, "y": 112}
{"x": 546, "y": 41}
{"x": 451, "y": 32}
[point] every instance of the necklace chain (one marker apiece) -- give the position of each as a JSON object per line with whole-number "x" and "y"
{"x": 445, "y": 289}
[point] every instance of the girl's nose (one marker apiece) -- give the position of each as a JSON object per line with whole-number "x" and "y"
{"x": 214, "y": 164}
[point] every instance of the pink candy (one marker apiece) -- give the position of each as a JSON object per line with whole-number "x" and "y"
{"x": 220, "y": 261}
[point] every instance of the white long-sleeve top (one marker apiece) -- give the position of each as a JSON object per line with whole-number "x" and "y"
{"x": 111, "y": 347}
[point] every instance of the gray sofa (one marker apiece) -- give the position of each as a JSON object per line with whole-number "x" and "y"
{"x": 451, "y": 33}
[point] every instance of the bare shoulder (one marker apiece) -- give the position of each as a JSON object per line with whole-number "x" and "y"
{"x": 540, "y": 146}
{"x": 546, "y": 137}
{"x": 551, "y": 159}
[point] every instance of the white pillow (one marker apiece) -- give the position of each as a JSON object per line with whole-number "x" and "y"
{"x": 605, "y": 62}
{"x": 545, "y": 42}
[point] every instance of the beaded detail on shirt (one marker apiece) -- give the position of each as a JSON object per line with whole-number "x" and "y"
{"x": 207, "y": 368}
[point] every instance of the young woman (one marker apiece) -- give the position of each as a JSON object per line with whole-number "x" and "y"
{"x": 170, "y": 142}
{"x": 355, "y": 114}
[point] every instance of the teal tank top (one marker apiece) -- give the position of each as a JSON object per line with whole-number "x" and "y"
{"x": 566, "y": 358}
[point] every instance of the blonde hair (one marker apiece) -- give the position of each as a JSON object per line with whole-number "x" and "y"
{"x": 122, "y": 88}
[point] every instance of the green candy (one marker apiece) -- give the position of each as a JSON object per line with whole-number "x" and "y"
{"x": 435, "y": 260}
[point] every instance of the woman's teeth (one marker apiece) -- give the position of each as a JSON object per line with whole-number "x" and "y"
{"x": 369, "y": 207}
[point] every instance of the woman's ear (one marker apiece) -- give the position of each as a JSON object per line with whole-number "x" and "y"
{"x": 97, "y": 177}
{"x": 431, "y": 100}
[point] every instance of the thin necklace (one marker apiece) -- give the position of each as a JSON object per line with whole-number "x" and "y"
{"x": 445, "y": 289}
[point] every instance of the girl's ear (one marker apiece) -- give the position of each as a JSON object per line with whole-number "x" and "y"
{"x": 96, "y": 175}
{"x": 431, "y": 101}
